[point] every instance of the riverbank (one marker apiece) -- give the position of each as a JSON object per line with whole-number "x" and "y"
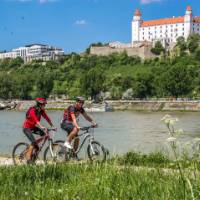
{"x": 135, "y": 105}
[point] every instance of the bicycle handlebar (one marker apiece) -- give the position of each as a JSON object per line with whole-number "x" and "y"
{"x": 51, "y": 129}
{"x": 86, "y": 128}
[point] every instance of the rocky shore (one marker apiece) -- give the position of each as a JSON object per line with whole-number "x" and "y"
{"x": 136, "y": 105}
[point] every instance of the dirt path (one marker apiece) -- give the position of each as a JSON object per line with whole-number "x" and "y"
{"x": 5, "y": 161}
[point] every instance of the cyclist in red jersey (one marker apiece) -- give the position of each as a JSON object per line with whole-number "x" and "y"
{"x": 32, "y": 123}
{"x": 69, "y": 122}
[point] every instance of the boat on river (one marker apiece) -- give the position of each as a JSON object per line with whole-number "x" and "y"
{"x": 96, "y": 107}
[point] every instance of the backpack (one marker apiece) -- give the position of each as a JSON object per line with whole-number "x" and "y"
{"x": 36, "y": 112}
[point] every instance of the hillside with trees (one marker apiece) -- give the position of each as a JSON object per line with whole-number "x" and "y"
{"x": 112, "y": 77}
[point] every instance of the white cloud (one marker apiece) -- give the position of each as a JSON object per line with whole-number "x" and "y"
{"x": 81, "y": 22}
{"x": 149, "y": 1}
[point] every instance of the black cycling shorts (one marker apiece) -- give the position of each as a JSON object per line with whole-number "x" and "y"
{"x": 67, "y": 126}
{"x": 29, "y": 134}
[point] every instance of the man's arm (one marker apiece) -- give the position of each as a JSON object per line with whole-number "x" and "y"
{"x": 88, "y": 118}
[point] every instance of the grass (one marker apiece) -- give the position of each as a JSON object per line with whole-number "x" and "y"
{"x": 98, "y": 181}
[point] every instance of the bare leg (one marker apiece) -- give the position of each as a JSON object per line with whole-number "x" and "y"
{"x": 72, "y": 134}
{"x": 29, "y": 152}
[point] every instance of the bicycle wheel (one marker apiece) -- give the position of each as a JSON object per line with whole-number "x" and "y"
{"x": 96, "y": 152}
{"x": 19, "y": 153}
{"x": 68, "y": 153}
{"x": 58, "y": 155}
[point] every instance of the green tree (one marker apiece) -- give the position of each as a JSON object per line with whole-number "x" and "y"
{"x": 177, "y": 81}
{"x": 181, "y": 44}
{"x": 143, "y": 87}
{"x": 93, "y": 82}
{"x": 193, "y": 42}
{"x": 158, "y": 48}
{"x": 44, "y": 84}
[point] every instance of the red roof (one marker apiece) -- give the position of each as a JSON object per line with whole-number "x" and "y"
{"x": 174, "y": 20}
{"x": 196, "y": 19}
{"x": 189, "y": 8}
{"x": 137, "y": 13}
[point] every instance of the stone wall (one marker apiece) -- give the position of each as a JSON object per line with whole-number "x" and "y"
{"x": 155, "y": 105}
{"x": 122, "y": 105}
{"x": 142, "y": 52}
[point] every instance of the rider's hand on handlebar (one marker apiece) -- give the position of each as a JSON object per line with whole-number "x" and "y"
{"x": 44, "y": 129}
{"x": 54, "y": 128}
{"x": 78, "y": 127}
{"x": 94, "y": 124}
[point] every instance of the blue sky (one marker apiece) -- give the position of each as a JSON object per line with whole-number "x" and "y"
{"x": 74, "y": 24}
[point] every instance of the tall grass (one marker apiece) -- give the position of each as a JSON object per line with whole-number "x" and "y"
{"x": 87, "y": 181}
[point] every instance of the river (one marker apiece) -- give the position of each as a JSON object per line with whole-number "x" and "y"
{"x": 119, "y": 131}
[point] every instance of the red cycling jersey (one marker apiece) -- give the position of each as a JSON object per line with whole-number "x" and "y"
{"x": 34, "y": 117}
{"x": 72, "y": 110}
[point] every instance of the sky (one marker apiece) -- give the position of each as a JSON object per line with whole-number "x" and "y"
{"x": 75, "y": 24}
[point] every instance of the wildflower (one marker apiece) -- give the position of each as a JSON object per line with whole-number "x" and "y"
{"x": 171, "y": 139}
{"x": 26, "y": 193}
{"x": 172, "y": 121}
{"x": 178, "y": 132}
{"x": 166, "y": 117}
{"x": 196, "y": 140}
{"x": 60, "y": 191}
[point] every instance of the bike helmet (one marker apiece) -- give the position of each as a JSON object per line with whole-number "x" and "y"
{"x": 80, "y": 99}
{"x": 41, "y": 101}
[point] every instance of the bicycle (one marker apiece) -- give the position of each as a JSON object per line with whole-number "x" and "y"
{"x": 51, "y": 152}
{"x": 95, "y": 150}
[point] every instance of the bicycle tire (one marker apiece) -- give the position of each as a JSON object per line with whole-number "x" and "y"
{"x": 68, "y": 153}
{"x": 100, "y": 151}
{"x": 18, "y": 158}
{"x": 58, "y": 158}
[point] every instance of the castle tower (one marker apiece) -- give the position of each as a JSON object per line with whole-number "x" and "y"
{"x": 188, "y": 22}
{"x": 137, "y": 19}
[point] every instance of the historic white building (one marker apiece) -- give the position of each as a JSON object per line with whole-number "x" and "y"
{"x": 34, "y": 52}
{"x": 166, "y": 30}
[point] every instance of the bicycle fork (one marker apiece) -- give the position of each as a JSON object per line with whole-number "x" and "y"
{"x": 93, "y": 147}
{"x": 51, "y": 148}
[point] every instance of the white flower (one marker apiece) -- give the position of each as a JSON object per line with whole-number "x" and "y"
{"x": 171, "y": 139}
{"x": 179, "y": 132}
{"x": 196, "y": 140}
{"x": 166, "y": 117}
{"x": 172, "y": 121}
{"x": 59, "y": 191}
{"x": 26, "y": 193}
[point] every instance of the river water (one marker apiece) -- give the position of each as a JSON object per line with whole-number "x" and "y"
{"x": 119, "y": 131}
